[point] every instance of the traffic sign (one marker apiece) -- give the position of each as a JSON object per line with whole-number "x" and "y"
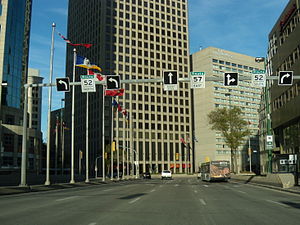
{"x": 231, "y": 79}
{"x": 170, "y": 80}
{"x": 269, "y": 141}
{"x": 88, "y": 83}
{"x": 258, "y": 78}
{"x": 113, "y": 82}
{"x": 285, "y": 78}
{"x": 197, "y": 79}
{"x": 63, "y": 84}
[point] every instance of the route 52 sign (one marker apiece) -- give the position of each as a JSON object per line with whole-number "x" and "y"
{"x": 88, "y": 83}
{"x": 259, "y": 78}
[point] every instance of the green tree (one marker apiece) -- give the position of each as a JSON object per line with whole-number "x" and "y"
{"x": 230, "y": 123}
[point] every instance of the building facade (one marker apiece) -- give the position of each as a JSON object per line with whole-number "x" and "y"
{"x": 210, "y": 144}
{"x": 284, "y": 55}
{"x": 15, "y": 19}
{"x": 136, "y": 40}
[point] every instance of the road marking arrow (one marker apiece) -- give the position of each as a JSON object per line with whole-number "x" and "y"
{"x": 63, "y": 82}
{"x": 114, "y": 80}
{"x": 284, "y": 76}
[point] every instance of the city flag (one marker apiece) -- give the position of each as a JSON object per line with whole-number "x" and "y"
{"x": 85, "y": 63}
{"x": 70, "y": 43}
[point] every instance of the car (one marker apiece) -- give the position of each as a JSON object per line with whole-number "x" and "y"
{"x": 166, "y": 174}
{"x": 146, "y": 175}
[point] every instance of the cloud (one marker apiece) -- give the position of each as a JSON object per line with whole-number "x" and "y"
{"x": 58, "y": 11}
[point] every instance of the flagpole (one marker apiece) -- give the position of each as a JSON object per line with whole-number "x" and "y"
{"x": 73, "y": 128}
{"x": 87, "y": 139}
{"x": 124, "y": 144}
{"x": 112, "y": 139}
{"x": 127, "y": 143}
{"x": 47, "y": 182}
{"x": 103, "y": 136}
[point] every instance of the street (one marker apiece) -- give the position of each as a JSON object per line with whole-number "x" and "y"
{"x": 183, "y": 200}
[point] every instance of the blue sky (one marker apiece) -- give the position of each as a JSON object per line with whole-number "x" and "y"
{"x": 236, "y": 25}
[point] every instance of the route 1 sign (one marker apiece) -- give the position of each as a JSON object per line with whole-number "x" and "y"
{"x": 197, "y": 79}
{"x": 258, "y": 78}
{"x": 170, "y": 80}
{"x": 88, "y": 83}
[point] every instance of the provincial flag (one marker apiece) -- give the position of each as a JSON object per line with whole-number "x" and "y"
{"x": 85, "y": 63}
{"x": 70, "y": 43}
{"x": 97, "y": 75}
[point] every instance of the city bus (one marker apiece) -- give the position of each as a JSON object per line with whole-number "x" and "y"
{"x": 215, "y": 170}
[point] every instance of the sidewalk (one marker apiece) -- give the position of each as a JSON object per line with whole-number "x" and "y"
{"x": 263, "y": 181}
{"x": 10, "y": 190}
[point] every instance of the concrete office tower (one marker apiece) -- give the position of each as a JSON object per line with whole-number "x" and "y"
{"x": 284, "y": 55}
{"x": 15, "y": 18}
{"x": 214, "y": 62}
{"x": 136, "y": 40}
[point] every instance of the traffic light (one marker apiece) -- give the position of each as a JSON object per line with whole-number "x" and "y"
{"x": 105, "y": 155}
{"x": 113, "y": 146}
{"x": 177, "y": 156}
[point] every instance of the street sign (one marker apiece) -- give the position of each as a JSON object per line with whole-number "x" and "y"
{"x": 269, "y": 141}
{"x": 258, "y": 78}
{"x": 88, "y": 83}
{"x": 231, "y": 79}
{"x": 197, "y": 79}
{"x": 113, "y": 82}
{"x": 63, "y": 84}
{"x": 170, "y": 80}
{"x": 285, "y": 78}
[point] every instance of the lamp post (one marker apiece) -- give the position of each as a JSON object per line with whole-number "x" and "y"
{"x": 267, "y": 113}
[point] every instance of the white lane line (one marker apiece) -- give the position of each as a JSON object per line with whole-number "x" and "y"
{"x": 176, "y": 185}
{"x": 92, "y": 223}
{"x": 278, "y": 203}
{"x": 205, "y": 185}
{"x": 107, "y": 189}
{"x": 242, "y": 192}
{"x": 152, "y": 191}
{"x": 202, "y": 201}
{"x": 67, "y": 198}
{"x": 134, "y": 200}
{"x": 195, "y": 191}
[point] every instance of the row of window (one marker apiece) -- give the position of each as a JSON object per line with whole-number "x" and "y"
{"x": 286, "y": 96}
{"x": 234, "y": 64}
{"x": 289, "y": 27}
{"x": 290, "y": 60}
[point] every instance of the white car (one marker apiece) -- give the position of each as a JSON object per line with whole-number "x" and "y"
{"x": 166, "y": 174}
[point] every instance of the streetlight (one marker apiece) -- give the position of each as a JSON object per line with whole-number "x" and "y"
{"x": 267, "y": 113}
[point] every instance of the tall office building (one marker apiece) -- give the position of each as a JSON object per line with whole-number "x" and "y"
{"x": 15, "y": 18}
{"x": 215, "y": 62}
{"x": 284, "y": 55}
{"x": 136, "y": 40}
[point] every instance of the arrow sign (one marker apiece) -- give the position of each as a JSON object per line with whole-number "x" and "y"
{"x": 231, "y": 79}
{"x": 170, "y": 80}
{"x": 112, "y": 82}
{"x": 63, "y": 84}
{"x": 285, "y": 78}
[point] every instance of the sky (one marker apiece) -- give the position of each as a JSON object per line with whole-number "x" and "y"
{"x": 235, "y": 25}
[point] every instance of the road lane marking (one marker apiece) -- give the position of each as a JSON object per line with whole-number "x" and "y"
{"x": 108, "y": 189}
{"x": 195, "y": 191}
{"x": 134, "y": 200}
{"x": 205, "y": 185}
{"x": 176, "y": 185}
{"x": 67, "y": 198}
{"x": 242, "y": 192}
{"x": 152, "y": 190}
{"x": 92, "y": 223}
{"x": 202, "y": 201}
{"x": 278, "y": 203}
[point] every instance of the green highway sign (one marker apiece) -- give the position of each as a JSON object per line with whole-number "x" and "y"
{"x": 197, "y": 73}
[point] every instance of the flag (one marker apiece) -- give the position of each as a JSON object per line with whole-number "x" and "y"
{"x": 124, "y": 112}
{"x": 85, "y": 63}
{"x": 182, "y": 141}
{"x": 119, "y": 108}
{"x": 119, "y": 92}
{"x": 115, "y": 103}
{"x": 70, "y": 43}
{"x": 98, "y": 75}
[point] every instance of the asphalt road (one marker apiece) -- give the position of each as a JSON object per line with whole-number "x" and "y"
{"x": 159, "y": 202}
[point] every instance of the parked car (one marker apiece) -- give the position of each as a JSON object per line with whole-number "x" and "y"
{"x": 146, "y": 175}
{"x": 166, "y": 174}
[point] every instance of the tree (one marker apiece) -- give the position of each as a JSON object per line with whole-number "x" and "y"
{"x": 233, "y": 128}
